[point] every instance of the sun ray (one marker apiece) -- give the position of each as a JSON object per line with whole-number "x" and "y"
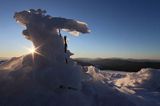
{"x": 33, "y": 51}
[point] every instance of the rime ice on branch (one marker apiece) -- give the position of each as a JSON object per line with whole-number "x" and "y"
{"x": 42, "y": 29}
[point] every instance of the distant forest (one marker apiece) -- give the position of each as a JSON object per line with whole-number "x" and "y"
{"x": 128, "y": 65}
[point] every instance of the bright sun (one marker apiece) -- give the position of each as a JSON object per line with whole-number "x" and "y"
{"x": 32, "y": 50}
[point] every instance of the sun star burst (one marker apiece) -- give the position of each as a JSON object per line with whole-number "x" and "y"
{"x": 33, "y": 51}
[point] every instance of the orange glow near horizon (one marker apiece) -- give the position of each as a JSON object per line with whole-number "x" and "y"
{"x": 77, "y": 54}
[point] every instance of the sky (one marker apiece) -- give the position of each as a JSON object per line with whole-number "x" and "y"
{"x": 119, "y": 28}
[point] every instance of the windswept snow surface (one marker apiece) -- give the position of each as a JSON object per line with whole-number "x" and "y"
{"x": 21, "y": 85}
{"x": 142, "y": 88}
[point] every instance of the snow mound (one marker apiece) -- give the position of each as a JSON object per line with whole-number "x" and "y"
{"x": 55, "y": 75}
{"x": 148, "y": 78}
{"x": 52, "y": 86}
{"x": 94, "y": 73}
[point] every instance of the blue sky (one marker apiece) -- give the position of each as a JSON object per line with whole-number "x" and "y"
{"x": 119, "y": 28}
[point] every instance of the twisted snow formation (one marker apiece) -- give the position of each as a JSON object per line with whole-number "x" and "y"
{"x": 42, "y": 31}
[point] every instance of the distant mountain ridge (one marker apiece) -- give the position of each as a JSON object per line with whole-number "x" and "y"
{"x": 129, "y": 65}
{"x": 120, "y": 64}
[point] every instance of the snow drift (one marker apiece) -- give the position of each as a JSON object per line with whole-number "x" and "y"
{"x": 146, "y": 78}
